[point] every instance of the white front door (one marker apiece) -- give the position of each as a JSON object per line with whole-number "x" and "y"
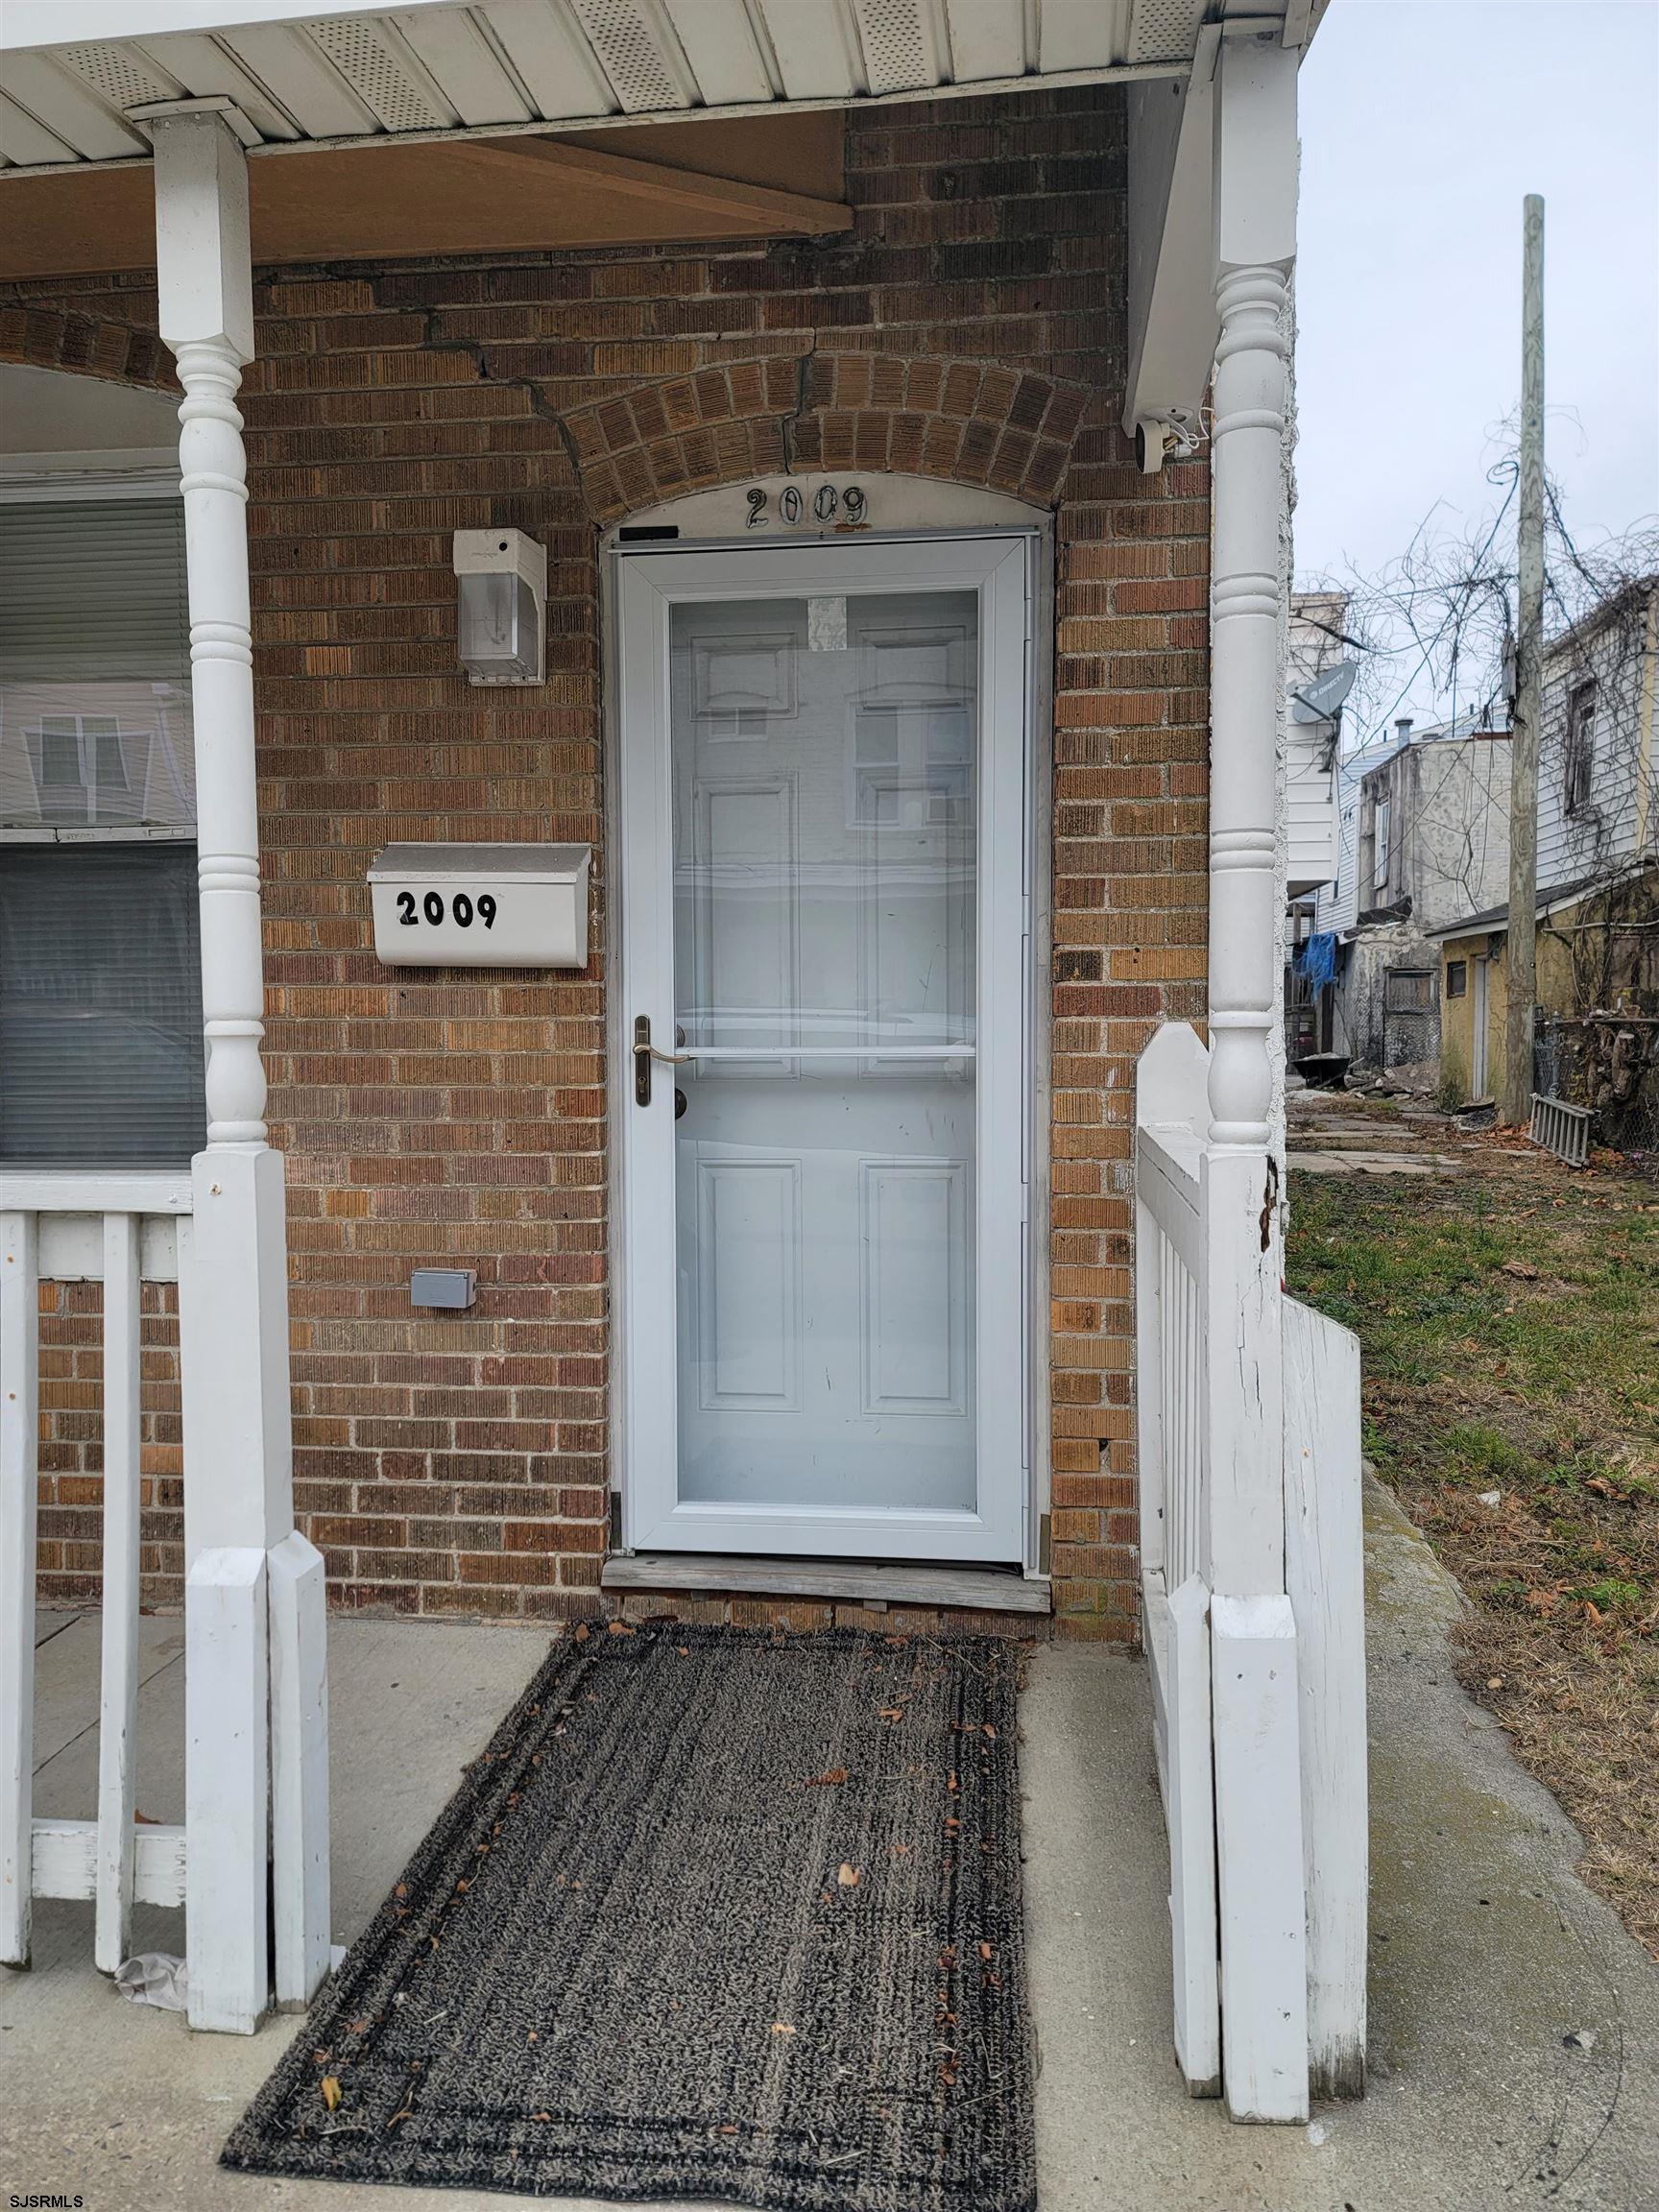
{"x": 825, "y": 858}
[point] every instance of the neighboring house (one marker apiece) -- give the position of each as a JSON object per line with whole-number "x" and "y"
{"x": 1597, "y": 765}
{"x": 1597, "y": 917}
{"x": 1319, "y": 673}
{"x": 1423, "y": 832}
{"x": 1323, "y": 925}
{"x": 1319, "y": 670}
{"x": 681, "y": 1108}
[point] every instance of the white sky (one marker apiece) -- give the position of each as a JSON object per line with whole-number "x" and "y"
{"x": 1424, "y": 122}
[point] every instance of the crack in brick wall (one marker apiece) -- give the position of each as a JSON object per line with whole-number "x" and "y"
{"x": 37, "y": 336}
{"x": 962, "y": 421}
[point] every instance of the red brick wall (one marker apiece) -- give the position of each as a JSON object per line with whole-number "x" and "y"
{"x": 969, "y": 327}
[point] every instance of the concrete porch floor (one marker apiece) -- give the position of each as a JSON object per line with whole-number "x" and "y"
{"x": 1514, "y": 2026}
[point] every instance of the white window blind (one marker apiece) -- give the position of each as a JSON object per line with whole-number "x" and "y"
{"x": 95, "y": 724}
{"x": 92, "y": 589}
{"x": 100, "y": 1052}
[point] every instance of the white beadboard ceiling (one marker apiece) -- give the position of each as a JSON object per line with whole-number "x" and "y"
{"x": 500, "y": 65}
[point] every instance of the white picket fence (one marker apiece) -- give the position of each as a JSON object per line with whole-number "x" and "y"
{"x": 1323, "y": 1580}
{"x": 254, "y": 1836}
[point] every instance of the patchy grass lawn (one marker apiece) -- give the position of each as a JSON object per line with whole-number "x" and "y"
{"x": 1509, "y": 1326}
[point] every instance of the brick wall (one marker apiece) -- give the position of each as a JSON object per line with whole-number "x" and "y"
{"x": 969, "y": 327}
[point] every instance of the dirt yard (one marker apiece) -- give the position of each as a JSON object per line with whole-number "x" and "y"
{"x": 1508, "y": 1313}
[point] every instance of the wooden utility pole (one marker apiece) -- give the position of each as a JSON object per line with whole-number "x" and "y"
{"x": 1521, "y": 961}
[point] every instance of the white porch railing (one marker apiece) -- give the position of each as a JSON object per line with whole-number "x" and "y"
{"x": 253, "y": 1841}
{"x": 121, "y": 1230}
{"x": 1172, "y": 1204}
{"x": 1322, "y": 1796}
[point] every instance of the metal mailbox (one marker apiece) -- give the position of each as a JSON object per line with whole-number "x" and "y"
{"x": 481, "y": 906}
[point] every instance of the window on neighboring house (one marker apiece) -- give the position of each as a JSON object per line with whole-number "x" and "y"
{"x": 1580, "y": 749}
{"x": 1409, "y": 990}
{"x": 1457, "y": 978}
{"x": 1380, "y": 826}
{"x": 101, "y": 1053}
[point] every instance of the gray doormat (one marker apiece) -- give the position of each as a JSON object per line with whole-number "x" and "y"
{"x": 718, "y": 1914}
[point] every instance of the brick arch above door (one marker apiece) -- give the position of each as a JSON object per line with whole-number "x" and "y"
{"x": 962, "y": 421}
{"x": 38, "y": 337}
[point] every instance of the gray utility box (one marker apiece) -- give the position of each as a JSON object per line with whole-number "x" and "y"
{"x": 454, "y": 1286}
{"x": 481, "y": 906}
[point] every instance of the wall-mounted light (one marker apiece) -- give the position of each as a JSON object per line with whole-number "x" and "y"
{"x": 503, "y": 625}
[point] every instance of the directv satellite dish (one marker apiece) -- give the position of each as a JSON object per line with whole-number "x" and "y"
{"x": 1321, "y": 699}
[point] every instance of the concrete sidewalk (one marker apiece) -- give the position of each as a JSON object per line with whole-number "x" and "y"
{"x": 1515, "y": 2028}
{"x": 1488, "y": 1957}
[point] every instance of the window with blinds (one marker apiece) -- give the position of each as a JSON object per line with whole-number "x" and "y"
{"x": 101, "y": 1056}
{"x": 100, "y": 1052}
{"x": 95, "y": 729}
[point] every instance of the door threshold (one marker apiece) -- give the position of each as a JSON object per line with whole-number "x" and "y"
{"x": 712, "y": 1574}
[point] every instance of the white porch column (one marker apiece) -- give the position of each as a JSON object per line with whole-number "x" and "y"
{"x": 238, "y": 1472}
{"x": 1258, "y": 1797}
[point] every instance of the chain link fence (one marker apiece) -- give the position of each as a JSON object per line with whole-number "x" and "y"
{"x": 1609, "y": 1063}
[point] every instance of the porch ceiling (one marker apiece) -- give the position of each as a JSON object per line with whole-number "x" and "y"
{"x": 74, "y": 95}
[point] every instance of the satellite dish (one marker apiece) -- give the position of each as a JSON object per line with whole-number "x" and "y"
{"x": 1321, "y": 699}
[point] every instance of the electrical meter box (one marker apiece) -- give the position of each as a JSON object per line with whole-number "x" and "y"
{"x": 481, "y": 906}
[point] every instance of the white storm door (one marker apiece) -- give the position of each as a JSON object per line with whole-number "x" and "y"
{"x": 824, "y": 856}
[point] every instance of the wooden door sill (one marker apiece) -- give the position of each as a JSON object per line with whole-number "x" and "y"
{"x": 710, "y": 1574}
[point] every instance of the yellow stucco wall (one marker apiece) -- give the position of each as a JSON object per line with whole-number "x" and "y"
{"x": 1457, "y": 1014}
{"x": 1457, "y": 1019}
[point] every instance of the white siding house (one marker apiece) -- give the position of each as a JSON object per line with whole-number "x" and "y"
{"x": 1317, "y": 676}
{"x": 1337, "y": 910}
{"x": 1309, "y": 807}
{"x": 1597, "y": 984}
{"x": 1597, "y": 756}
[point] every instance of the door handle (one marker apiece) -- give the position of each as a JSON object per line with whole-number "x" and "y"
{"x": 644, "y": 1052}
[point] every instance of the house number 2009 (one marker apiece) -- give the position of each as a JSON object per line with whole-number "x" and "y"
{"x": 828, "y": 504}
{"x": 461, "y": 909}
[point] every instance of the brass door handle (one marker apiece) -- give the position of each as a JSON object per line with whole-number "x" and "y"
{"x": 644, "y": 1052}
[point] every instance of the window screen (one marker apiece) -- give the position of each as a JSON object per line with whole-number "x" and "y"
{"x": 101, "y": 1056}
{"x": 95, "y": 727}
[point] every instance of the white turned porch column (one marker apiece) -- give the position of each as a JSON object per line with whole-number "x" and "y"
{"x": 255, "y": 1585}
{"x": 1258, "y": 1797}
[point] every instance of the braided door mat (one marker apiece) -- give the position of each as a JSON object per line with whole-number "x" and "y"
{"x": 719, "y": 1915}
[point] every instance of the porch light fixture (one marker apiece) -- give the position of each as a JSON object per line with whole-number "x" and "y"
{"x": 501, "y": 630}
{"x": 1173, "y": 435}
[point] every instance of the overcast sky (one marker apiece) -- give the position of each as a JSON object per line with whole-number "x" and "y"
{"x": 1423, "y": 124}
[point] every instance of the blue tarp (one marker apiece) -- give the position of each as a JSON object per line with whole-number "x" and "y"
{"x": 1316, "y": 962}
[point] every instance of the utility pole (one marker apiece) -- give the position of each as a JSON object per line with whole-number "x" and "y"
{"x": 1521, "y": 960}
